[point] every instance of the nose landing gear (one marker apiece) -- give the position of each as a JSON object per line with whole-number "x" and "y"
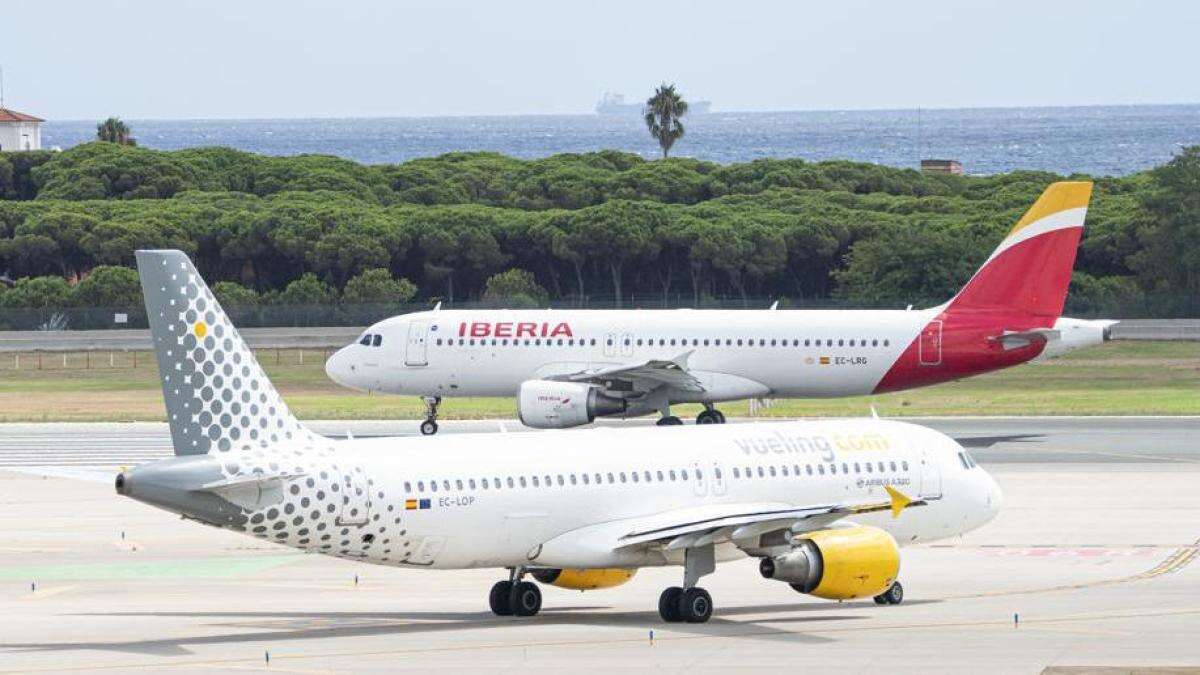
{"x": 430, "y": 427}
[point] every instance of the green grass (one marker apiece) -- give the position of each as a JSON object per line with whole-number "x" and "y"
{"x": 1119, "y": 378}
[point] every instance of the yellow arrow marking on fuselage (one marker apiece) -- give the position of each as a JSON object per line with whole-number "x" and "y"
{"x": 899, "y": 500}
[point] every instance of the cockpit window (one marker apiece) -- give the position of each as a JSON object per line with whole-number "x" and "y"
{"x": 365, "y": 340}
{"x": 967, "y": 460}
{"x": 377, "y": 340}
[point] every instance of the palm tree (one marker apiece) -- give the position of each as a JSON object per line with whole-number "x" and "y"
{"x": 113, "y": 130}
{"x": 663, "y": 113}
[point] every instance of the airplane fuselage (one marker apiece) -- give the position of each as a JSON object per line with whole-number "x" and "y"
{"x": 736, "y": 354}
{"x": 550, "y": 498}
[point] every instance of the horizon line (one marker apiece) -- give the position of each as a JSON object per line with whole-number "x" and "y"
{"x": 592, "y": 114}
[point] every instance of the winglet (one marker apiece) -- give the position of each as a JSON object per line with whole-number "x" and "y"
{"x": 899, "y": 500}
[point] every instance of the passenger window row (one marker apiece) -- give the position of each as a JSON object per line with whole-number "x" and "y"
{"x": 645, "y": 476}
{"x": 664, "y": 342}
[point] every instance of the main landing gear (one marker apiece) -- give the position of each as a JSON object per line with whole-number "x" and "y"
{"x": 710, "y": 415}
{"x": 429, "y": 427}
{"x": 690, "y": 604}
{"x": 894, "y": 595}
{"x": 515, "y": 597}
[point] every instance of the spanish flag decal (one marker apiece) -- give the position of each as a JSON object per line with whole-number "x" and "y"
{"x": 824, "y": 360}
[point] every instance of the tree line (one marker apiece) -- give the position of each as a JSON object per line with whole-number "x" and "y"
{"x": 611, "y": 225}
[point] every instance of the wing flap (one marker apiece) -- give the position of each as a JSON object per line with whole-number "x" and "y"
{"x": 732, "y": 522}
{"x": 671, "y": 372}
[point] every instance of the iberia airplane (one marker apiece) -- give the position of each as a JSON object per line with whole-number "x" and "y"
{"x": 823, "y": 505}
{"x": 568, "y": 367}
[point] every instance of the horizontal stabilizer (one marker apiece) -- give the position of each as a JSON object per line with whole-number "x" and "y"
{"x": 252, "y": 492}
{"x": 1017, "y": 339}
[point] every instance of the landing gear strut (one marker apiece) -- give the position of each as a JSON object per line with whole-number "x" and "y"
{"x": 429, "y": 427}
{"x": 894, "y": 595}
{"x": 710, "y": 415}
{"x": 515, "y": 597}
{"x": 690, "y": 603}
{"x": 667, "y": 419}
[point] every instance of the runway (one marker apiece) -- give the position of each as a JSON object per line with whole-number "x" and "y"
{"x": 1093, "y": 561}
{"x": 992, "y": 440}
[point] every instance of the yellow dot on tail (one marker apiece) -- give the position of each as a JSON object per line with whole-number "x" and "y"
{"x": 200, "y": 329}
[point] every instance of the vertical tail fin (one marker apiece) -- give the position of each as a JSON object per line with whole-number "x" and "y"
{"x": 218, "y": 398}
{"x": 1030, "y": 271}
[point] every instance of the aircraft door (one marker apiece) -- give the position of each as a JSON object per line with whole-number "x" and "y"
{"x": 931, "y": 476}
{"x": 610, "y": 344}
{"x": 718, "y": 479}
{"x": 356, "y": 501}
{"x": 930, "y": 346}
{"x": 416, "y": 352}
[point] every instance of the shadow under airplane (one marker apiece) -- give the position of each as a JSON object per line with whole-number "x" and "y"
{"x": 322, "y": 625}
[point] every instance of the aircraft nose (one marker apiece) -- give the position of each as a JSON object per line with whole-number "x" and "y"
{"x": 339, "y": 368}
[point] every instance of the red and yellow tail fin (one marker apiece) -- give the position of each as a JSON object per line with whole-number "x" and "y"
{"x": 1030, "y": 271}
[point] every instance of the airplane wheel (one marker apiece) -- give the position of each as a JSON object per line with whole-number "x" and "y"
{"x": 719, "y": 415}
{"x": 526, "y": 599}
{"x": 500, "y": 599}
{"x": 668, "y": 604}
{"x": 428, "y": 428}
{"x": 707, "y": 417}
{"x": 895, "y": 594}
{"x": 695, "y": 605}
{"x": 669, "y": 421}
{"x": 892, "y": 596}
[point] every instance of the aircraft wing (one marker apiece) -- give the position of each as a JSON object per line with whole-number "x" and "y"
{"x": 671, "y": 372}
{"x": 720, "y": 523}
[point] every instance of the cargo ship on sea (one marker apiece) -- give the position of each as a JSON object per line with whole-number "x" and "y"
{"x": 615, "y": 104}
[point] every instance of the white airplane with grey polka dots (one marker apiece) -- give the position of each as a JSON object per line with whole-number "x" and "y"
{"x": 568, "y": 367}
{"x": 823, "y": 504}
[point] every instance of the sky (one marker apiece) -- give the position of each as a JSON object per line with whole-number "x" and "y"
{"x": 146, "y": 59}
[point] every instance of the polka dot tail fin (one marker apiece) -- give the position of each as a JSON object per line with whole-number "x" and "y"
{"x": 217, "y": 396}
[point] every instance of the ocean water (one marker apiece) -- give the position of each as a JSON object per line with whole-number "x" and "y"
{"x": 1097, "y": 140}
